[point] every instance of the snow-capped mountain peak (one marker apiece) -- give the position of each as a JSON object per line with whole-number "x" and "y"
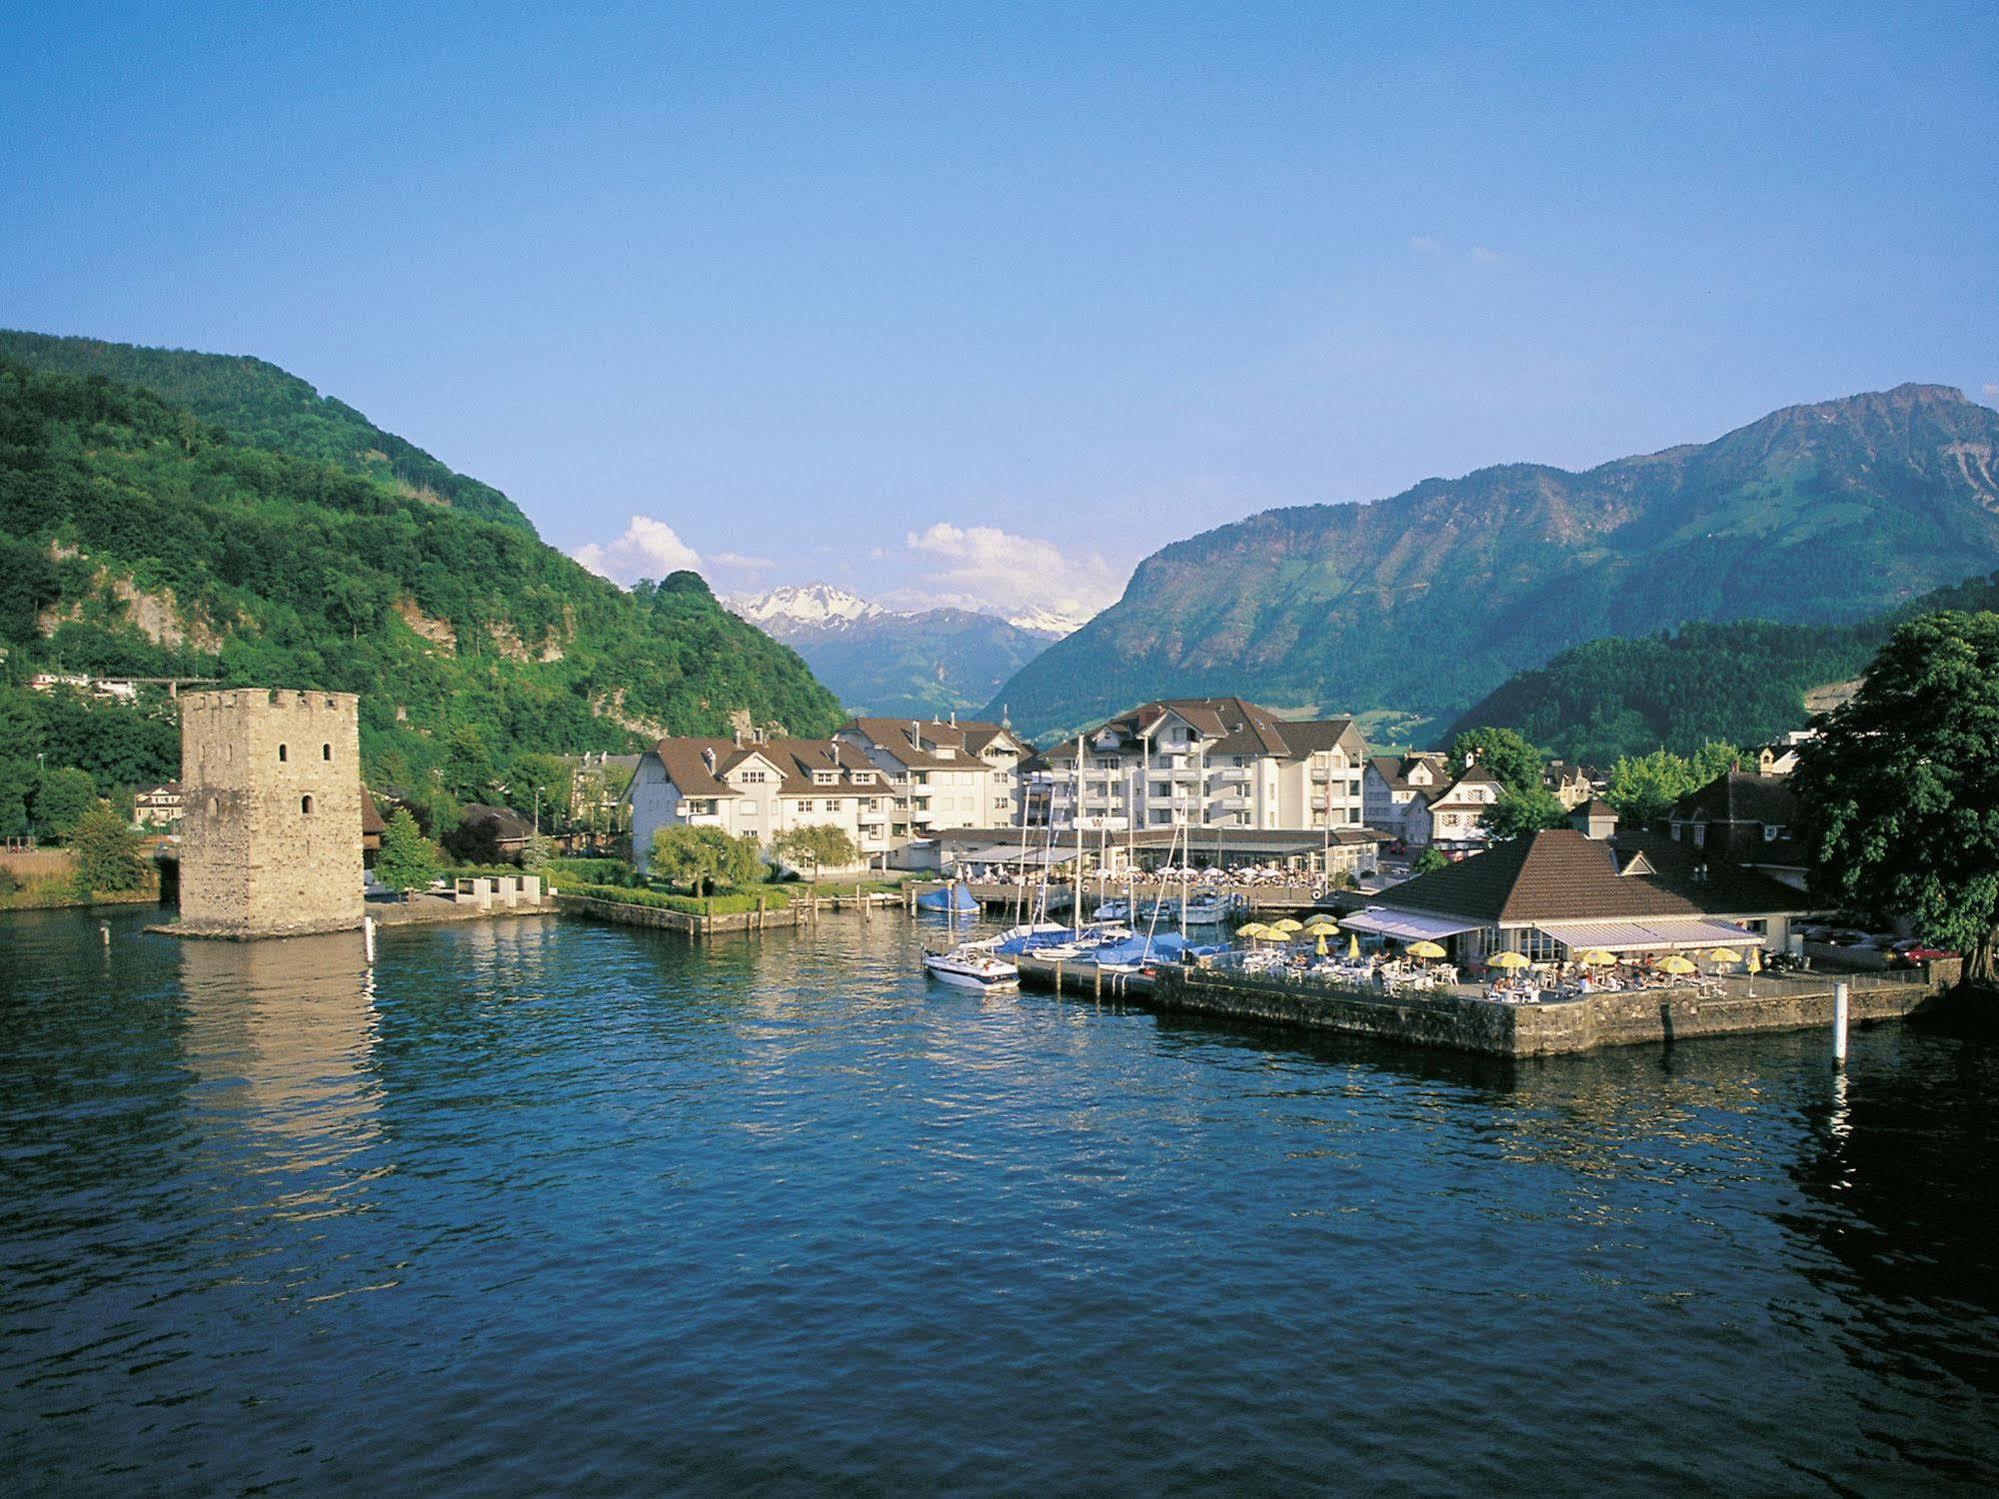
{"x": 803, "y": 604}
{"x": 1048, "y": 621}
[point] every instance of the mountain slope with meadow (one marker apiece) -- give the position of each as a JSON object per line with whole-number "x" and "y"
{"x": 1426, "y": 601}
{"x": 1742, "y": 682}
{"x": 266, "y": 407}
{"x": 136, "y": 538}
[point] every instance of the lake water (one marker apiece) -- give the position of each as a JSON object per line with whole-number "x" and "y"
{"x": 547, "y": 1206}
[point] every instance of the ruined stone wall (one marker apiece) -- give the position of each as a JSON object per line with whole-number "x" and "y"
{"x": 271, "y": 841}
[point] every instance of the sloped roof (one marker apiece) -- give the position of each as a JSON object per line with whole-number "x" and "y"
{"x": 686, "y": 762}
{"x": 508, "y": 826}
{"x": 371, "y": 815}
{"x": 1560, "y": 875}
{"x": 915, "y": 742}
{"x": 1740, "y": 796}
{"x": 1394, "y": 769}
{"x": 1237, "y": 726}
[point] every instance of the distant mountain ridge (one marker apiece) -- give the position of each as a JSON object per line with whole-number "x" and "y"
{"x": 888, "y": 662}
{"x": 1429, "y": 599}
{"x": 268, "y": 408}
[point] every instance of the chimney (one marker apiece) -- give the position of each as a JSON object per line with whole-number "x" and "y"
{"x": 954, "y": 718}
{"x": 708, "y": 758}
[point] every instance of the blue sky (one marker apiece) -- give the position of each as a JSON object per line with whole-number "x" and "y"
{"x": 987, "y": 302}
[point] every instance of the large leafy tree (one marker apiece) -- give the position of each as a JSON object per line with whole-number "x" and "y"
{"x": 407, "y": 860}
{"x": 1528, "y": 811}
{"x": 1899, "y": 794}
{"x": 818, "y": 845}
{"x": 107, "y": 854}
{"x": 701, "y": 858}
{"x": 62, "y": 797}
{"x": 1503, "y": 752}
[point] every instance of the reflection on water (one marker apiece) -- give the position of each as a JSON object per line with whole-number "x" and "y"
{"x": 540, "y": 1206}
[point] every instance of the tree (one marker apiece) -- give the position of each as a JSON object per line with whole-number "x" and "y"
{"x": 468, "y": 768}
{"x": 531, "y": 776}
{"x": 1428, "y": 861}
{"x": 1504, "y": 753}
{"x": 407, "y": 860}
{"x": 1520, "y": 812}
{"x": 817, "y": 844}
{"x": 1643, "y": 790}
{"x": 1899, "y": 793}
{"x": 62, "y": 797}
{"x": 698, "y": 857}
{"x": 107, "y": 853}
{"x": 1714, "y": 759}
{"x": 536, "y": 854}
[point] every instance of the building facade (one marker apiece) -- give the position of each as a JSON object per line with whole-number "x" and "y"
{"x": 760, "y": 788}
{"x": 945, "y": 774}
{"x": 1426, "y": 802}
{"x": 1204, "y": 763}
{"x": 271, "y": 813}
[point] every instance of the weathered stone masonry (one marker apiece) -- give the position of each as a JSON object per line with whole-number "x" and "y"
{"x": 271, "y": 842}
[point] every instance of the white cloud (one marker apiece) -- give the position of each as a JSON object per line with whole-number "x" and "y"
{"x": 1992, "y": 390}
{"x": 742, "y": 563}
{"x": 984, "y": 567}
{"x": 1480, "y": 252}
{"x": 648, "y": 549}
{"x": 1426, "y": 244}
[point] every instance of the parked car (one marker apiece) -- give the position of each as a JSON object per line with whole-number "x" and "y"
{"x": 1913, "y": 952}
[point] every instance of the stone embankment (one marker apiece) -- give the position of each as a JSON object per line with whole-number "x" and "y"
{"x": 1494, "y": 1028}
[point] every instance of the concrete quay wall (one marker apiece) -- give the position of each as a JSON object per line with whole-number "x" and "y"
{"x": 1496, "y": 1029}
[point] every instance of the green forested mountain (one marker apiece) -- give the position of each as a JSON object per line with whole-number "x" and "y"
{"x": 136, "y": 538}
{"x": 1740, "y": 682}
{"x": 266, "y": 407}
{"x": 1428, "y": 600}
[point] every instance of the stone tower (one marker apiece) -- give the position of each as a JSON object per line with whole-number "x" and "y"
{"x": 271, "y": 833}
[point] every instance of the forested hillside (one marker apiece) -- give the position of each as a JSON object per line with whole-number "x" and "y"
{"x": 269, "y": 408}
{"x": 1742, "y": 682}
{"x": 136, "y": 538}
{"x": 1428, "y": 600}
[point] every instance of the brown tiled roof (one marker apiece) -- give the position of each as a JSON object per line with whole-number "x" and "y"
{"x": 1562, "y": 876}
{"x": 372, "y": 825}
{"x": 1235, "y": 725}
{"x": 1596, "y": 806}
{"x": 794, "y": 760}
{"x": 1740, "y": 796}
{"x": 914, "y": 742}
{"x": 508, "y": 826}
{"x": 1394, "y": 769}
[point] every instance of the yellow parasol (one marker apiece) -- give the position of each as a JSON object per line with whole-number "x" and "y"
{"x": 1252, "y": 930}
{"x": 1724, "y": 955}
{"x": 1755, "y": 960}
{"x": 1596, "y": 957}
{"x": 1675, "y": 964}
{"x": 1353, "y": 949}
{"x": 1424, "y": 950}
{"x": 1508, "y": 960}
{"x": 1322, "y": 944}
{"x": 1287, "y": 924}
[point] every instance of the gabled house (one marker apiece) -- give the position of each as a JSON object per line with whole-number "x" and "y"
{"x": 759, "y": 787}
{"x": 1744, "y": 819}
{"x": 945, "y": 774}
{"x": 1569, "y": 783}
{"x": 1424, "y": 800}
{"x": 159, "y": 807}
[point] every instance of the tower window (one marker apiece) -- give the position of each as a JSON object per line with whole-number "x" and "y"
{"x": 283, "y": 754}
{"x": 326, "y": 752}
{"x": 305, "y": 805}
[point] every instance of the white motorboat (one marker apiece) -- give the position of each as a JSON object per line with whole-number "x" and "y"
{"x": 971, "y": 967}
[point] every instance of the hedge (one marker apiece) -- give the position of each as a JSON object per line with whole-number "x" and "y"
{"x": 711, "y": 905}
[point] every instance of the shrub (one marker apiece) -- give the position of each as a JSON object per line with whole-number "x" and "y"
{"x": 713, "y": 905}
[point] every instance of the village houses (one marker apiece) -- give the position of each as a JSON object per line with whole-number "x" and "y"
{"x": 945, "y": 774}
{"x": 1421, "y": 799}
